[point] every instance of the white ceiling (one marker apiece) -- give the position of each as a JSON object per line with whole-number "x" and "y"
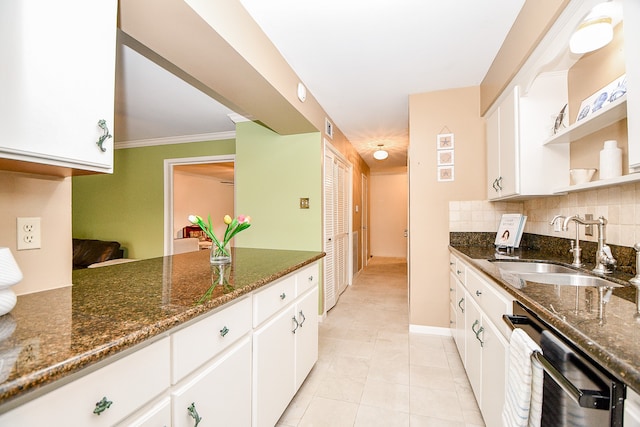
{"x": 361, "y": 59}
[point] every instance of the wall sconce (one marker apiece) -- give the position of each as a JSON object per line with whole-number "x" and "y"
{"x": 380, "y": 154}
{"x": 592, "y": 34}
{"x": 10, "y": 275}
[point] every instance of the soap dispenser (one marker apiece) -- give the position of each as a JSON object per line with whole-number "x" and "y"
{"x": 610, "y": 160}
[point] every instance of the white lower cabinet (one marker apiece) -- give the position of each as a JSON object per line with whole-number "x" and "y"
{"x": 218, "y": 368}
{"x": 219, "y": 394}
{"x": 158, "y": 414}
{"x": 483, "y": 340}
{"x": 631, "y": 409}
{"x": 285, "y": 348}
{"x": 495, "y": 351}
{"x": 103, "y": 397}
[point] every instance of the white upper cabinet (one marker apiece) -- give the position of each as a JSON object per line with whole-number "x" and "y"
{"x": 553, "y": 80}
{"x": 58, "y": 82}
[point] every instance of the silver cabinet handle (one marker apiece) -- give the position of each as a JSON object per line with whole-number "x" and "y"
{"x": 297, "y": 324}
{"x": 303, "y": 318}
{"x": 224, "y": 331}
{"x": 459, "y": 304}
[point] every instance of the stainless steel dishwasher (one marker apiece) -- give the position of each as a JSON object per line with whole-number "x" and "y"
{"x": 577, "y": 391}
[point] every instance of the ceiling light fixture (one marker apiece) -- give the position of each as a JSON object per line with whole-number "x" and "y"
{"x": 380, "y": 154}
{"x": 591, "y": 34}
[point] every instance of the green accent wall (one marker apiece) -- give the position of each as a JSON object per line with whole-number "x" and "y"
{"x": 272, "y": 173}
{"x": 128, "y": 205}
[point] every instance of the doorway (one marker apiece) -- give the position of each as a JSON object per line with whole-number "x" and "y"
{"x": 199, "y": 186}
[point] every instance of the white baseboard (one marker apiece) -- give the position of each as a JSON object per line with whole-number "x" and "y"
{"x": 429, "y": 330}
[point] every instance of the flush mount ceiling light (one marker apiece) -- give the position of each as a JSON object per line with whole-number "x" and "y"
{"x": 591, "y": 34}
{"x": 380, "y": 154}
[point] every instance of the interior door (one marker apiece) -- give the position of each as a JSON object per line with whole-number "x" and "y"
{"x": 337, "y": 224}
{"x": 330, "y": 296}
{"x": 365, "y": 221}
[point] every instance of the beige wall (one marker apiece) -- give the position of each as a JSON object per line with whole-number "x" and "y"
{"x": 200, "y": 195}
{"x": 451, "y": 111}
{"x": 534, "y": 20}
{"x": 389, "y": 218}
{"x": 24, "y": 195}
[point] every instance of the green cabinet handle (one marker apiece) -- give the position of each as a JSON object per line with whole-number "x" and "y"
{"x": 224, "y": 331}
{"x": 102, "y": 406}
{"x": 102, "y": 124}
{"x": 194, "y": 414}
{"x": 478, "y": 332}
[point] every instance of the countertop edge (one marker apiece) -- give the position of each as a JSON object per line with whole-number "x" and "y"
{"x": 28, "y": 387}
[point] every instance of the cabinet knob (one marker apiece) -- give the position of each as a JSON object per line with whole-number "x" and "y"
{"x": 311, "y": 278}
{"x": 283, "y": 295}
{"x": 478, "y": 293}
{"x": 224, "y": 331}
{"x": 102, "y": 406}
{"x": 194, "y": 414}
{"x": 102, "y": 124}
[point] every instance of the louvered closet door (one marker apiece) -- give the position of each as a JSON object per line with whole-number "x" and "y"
{"x": 329, "y": 231}
{"x": 341, "y": 237}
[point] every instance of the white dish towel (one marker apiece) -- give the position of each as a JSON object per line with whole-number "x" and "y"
{"x": 523, "y": 397}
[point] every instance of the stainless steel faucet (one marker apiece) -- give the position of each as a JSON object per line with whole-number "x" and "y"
{"x": 604, "y": 258}
{"x": 575, "y": 250}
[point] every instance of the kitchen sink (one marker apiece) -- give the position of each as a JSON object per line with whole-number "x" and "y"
{"x": 532, "y": 267}
{"x": 567, "y": 279}
{"x": 517, "y": 272}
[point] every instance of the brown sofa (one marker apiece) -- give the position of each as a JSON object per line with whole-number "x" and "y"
{"x": 89, "y": 251}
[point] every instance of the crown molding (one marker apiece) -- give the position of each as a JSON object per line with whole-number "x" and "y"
{"x": 183, "y": 139}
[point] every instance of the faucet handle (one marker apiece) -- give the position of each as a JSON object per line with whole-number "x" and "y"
{"x": 637, "y": 247}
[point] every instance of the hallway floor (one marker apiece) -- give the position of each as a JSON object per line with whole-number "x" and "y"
{"x": 372, "y": 372}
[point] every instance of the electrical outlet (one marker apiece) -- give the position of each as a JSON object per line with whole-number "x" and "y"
{"x": 304, "y": 203}
{"x": 28, "y": 232}
{"x": 588, "y": 229}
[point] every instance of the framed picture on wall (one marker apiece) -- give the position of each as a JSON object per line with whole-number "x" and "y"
{"x": 445, "y": 141}
{"x": 445, "y": 157}
{"x": 445, "y": 173}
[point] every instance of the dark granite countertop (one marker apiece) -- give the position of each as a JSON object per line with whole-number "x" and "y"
{"x": 49, "y": 336}
{"x": 612, "y": 340}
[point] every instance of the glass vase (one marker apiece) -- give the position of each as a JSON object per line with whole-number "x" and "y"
{"x": 220, "y": 255}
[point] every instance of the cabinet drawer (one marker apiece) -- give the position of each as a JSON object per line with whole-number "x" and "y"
{"x": 192, "y": 346}
{"x": 307, "y": 278}
{"x": 488, "y": 298}
{"x": 458, "y": 268}
{"x": 128, "y": 383}
{"x": 269, "y": 301}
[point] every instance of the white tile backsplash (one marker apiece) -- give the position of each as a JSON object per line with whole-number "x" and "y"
{"x": 620, "y": 205}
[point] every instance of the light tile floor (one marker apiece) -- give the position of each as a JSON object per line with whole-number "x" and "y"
{"x": 372, "y": 372}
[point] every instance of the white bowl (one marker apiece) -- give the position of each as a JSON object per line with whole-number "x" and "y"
{"x": 581, "y": 176}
